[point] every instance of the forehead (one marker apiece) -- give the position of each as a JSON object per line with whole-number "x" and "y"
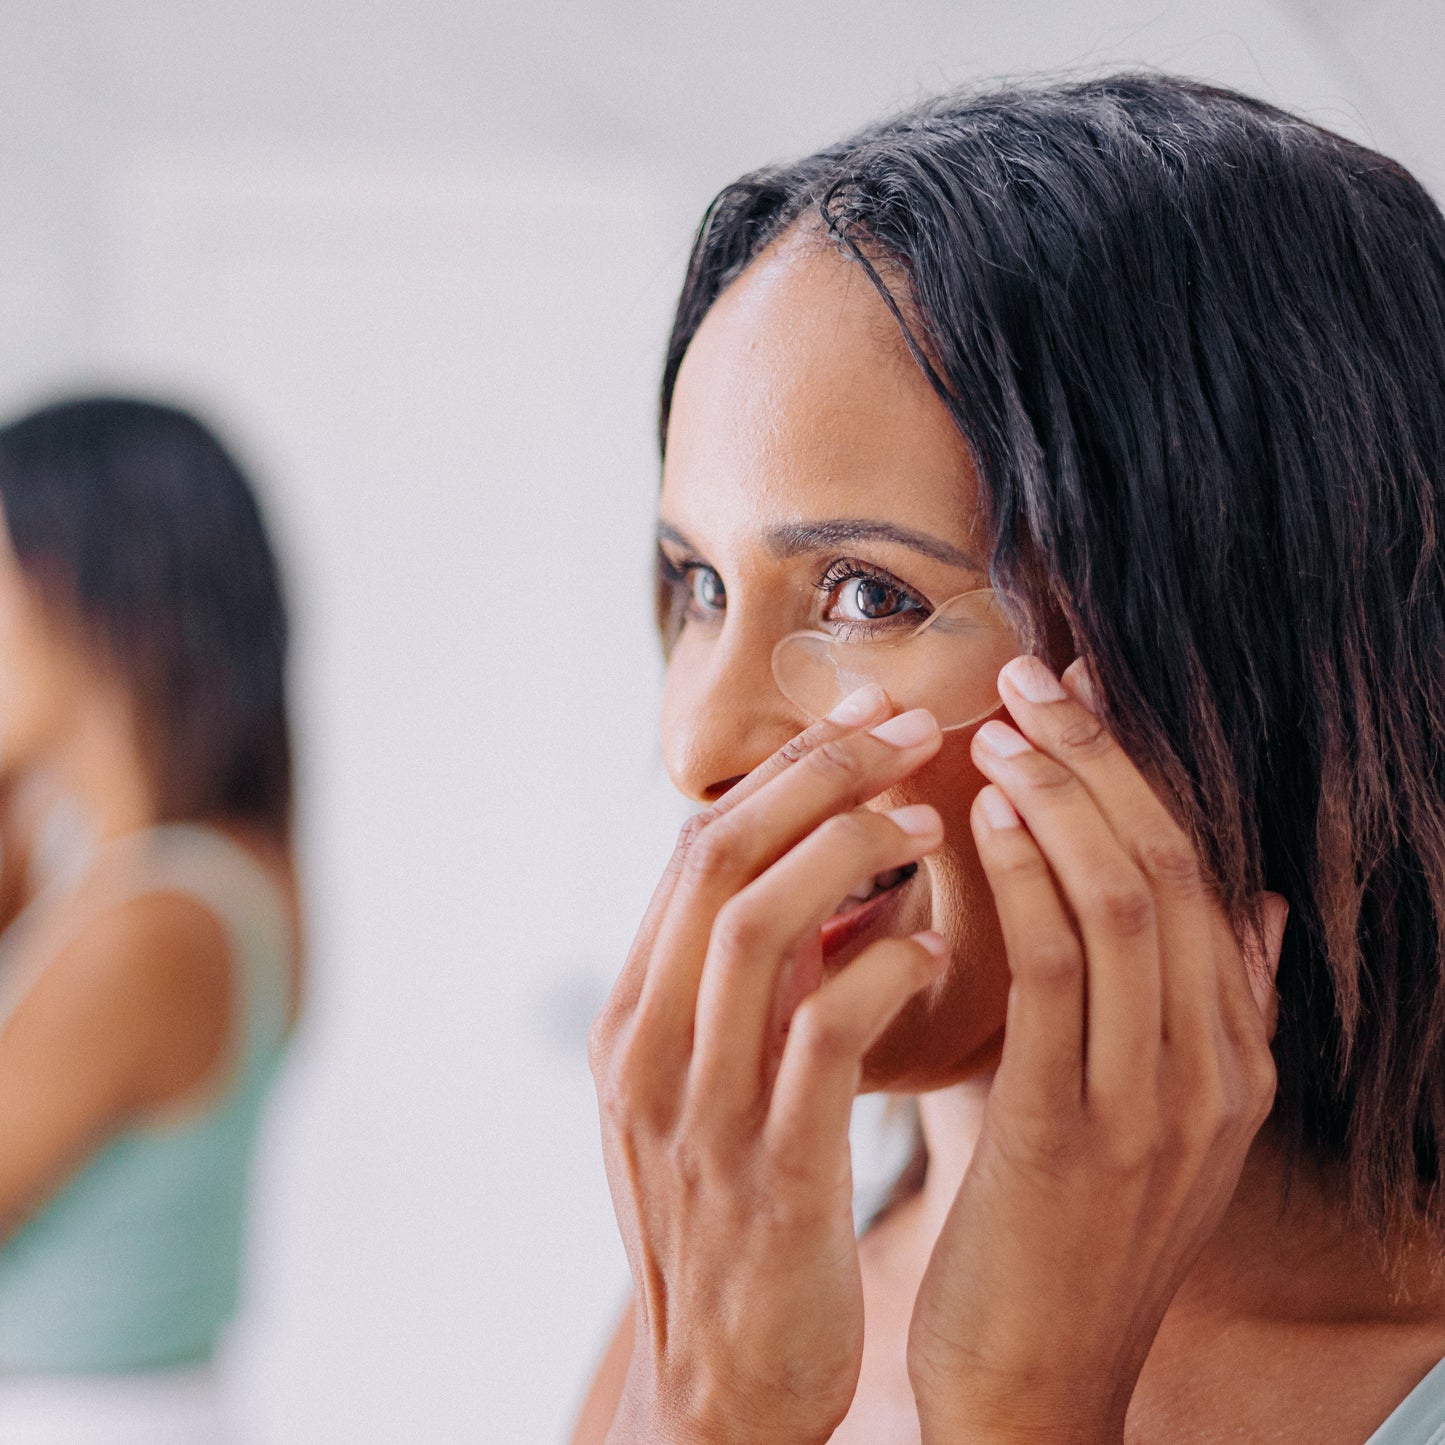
{"x": 797, "y": 399}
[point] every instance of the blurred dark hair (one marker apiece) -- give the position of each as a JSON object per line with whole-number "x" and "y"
{"x": 133, "y": 521}
{"x": 1197, "y": 347}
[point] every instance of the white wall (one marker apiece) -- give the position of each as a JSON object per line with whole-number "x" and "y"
{"x": 419, "y": 257}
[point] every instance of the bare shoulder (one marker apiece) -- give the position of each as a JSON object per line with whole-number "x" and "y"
{"x": 140, "y": 995}
{"x": 605, "y": 1393}
{"x": 129, "y": 1015}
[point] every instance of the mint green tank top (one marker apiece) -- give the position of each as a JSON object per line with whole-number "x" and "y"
{"x": 1420, "y": 1419}
{"x": 135, "y": 1263}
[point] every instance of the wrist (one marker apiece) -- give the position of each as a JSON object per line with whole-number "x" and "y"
{"x": 960, "y": 1428}
{"x": 647, "y": 1416}
{"x": 1027, "y": 1419}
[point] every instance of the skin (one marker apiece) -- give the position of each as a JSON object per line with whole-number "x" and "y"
{"x": 130, "y": 1016}
{"x": 1102, "y": 1249}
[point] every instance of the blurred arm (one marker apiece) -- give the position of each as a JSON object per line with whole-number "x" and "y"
{"x": 131, "y": 1017}
{"x": 605, "y": 1394}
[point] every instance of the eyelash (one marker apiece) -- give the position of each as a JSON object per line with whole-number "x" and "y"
{"x": 674, "y": 591}
{"x": 848, "y": 569}
{"x": 674, "y": 584}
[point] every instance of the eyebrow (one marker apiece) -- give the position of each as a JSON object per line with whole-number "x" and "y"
{"x": 801, "y": 538}
{"x": 796, "y": 539}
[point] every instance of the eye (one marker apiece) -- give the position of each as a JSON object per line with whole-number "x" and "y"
{"x": 687, "y": 592}
{"x": 706, "y": 594}
{"x": 860, "y": 597}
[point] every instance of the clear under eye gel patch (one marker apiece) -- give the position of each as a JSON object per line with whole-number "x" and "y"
{"x": 948, "y": 664}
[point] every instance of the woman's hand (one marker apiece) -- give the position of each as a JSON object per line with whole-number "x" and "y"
{"x": 726, "y": 1072}
{"x": 1135, "y": 1072}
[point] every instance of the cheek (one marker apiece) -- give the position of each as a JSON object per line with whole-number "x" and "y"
{"x": 34, "y": 686}
{"x": 954, "y": 1030}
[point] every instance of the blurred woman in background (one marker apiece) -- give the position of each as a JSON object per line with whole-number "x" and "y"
{"x": 149, "y": 959}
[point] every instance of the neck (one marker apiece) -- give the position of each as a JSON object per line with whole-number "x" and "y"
{"x": 95, "y": 777}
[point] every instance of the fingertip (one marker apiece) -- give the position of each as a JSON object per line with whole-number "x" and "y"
{"x": 913, "y": 729}
{"x": 918, "y": 820}
{"x": 868, "y": 704}
{"x": 933, "y": 943}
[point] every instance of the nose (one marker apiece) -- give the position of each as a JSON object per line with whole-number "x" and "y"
{"x": 722, "y": 713}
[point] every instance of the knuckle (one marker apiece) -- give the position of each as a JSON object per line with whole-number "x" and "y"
{"x": 688, "y": 1161}
{"x": 628, "y": 1100}
{"x": 1261, "y": 1081}
{"x": 1168, "y": 858}
{"x": 710, "y": 858}
{"x": 822, "y": 1037}
{"x": 616, "y": 1100}
{"x": 691, "y": 831}
{"x": 853, "y": 832}
{"x": 1085, "y": 737}
{"x": 1053, "y": 963}
{"x": 788, "y": 1170}
{"x": 738, "y": 931}
{"x": 795, "y": 749}
{"x": 838, "y": 763}
{"x": 1009, "y": 857}
{"x": 1134, "y": 1154}
{"x": 1043, "y": 773}
{"x": 1131, "y": 1148}
{"x": 1123, "y": 905}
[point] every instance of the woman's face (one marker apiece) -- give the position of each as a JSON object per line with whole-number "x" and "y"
{"x": 812, "y": 476}
{"x": 44, "y": 672}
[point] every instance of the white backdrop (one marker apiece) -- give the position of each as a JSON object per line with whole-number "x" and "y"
{"x": 418, "y": 260}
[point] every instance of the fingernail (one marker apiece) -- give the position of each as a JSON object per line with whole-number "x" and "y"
{"x": 918, "y": 820}
{"x": 1033, "y": 678}
{"x": 1000, "y": 738}
{"x": 935, "y": 943}
{"x": 1078, "y": 678}
{"x": 908, "y": 729}
{"x": 860, "y": 707}
{"x": 998, "y": 812}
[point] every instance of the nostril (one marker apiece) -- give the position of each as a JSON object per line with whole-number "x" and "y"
{"x": 714, "y": 791}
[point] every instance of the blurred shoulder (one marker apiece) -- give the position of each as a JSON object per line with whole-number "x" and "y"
{"x": 141, "y": 991}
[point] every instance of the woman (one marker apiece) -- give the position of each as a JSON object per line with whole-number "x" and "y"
{"x": 1157, "y": 944}
{"x": 149, "y": 966}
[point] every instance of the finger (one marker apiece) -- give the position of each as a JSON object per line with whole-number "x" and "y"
{"x": 1043, "y": 1052}
{"x": 760, "y": 928}
{"x": 1107, "y": 895}
{"x": 863, "y": 708}
{"x": 830, "y": 1032}
{"x": 1062, "y": 724}
{"x": 834, "y": 777}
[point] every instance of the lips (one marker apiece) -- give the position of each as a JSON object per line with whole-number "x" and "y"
{"x": 866, "y": 911}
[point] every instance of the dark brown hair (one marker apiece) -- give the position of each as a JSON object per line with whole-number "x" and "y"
{"x": 133, "y": 520}
{"x": 1197, "y": 347}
